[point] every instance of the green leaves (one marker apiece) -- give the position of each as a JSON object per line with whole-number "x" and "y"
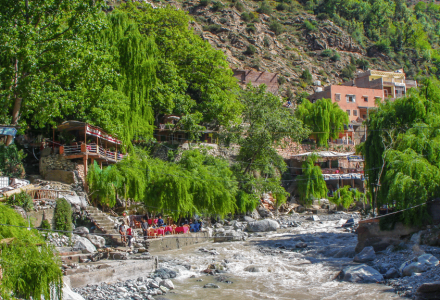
{"x": 311, "y": 184}
{"x": 324, "y": 118}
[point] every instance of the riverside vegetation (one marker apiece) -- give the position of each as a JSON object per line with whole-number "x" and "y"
{"x": 124, "y": 68}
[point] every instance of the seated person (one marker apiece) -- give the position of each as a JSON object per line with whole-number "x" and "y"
{"x": 160, "y": 222}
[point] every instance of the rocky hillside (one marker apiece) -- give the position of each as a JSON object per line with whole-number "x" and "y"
{"x": 283, "y": 39}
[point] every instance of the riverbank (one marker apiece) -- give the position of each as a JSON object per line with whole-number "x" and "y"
{"x": 301, "y": 260}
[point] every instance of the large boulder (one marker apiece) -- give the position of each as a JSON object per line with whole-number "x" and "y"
{"x": 82, "y": 231}
{"x": 264, "y": 212}
{"x": 96, "y": 240}
{"x": 429, "y": 290}
{"x": 75, "y": 200}
{"x": 83, "y": 244}
{"x": 367, "y": 254}
{"x": 361, "y": 274}
{"x": 263, "y": 225}
{"x": 424, "y": 263}
{"x": 248, "y": 219}
{"x": 165, "y": 273}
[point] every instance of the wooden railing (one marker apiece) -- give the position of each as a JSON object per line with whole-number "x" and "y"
{"x": 91, "y": 149}
{"x": 46, "y": 194}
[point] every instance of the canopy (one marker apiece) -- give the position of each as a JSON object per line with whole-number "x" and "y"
{"x": 8, "y": 130}
{"x": 88, "y": 129}
{"x": 325, "y": 154}
{"x": 343, "y": 176}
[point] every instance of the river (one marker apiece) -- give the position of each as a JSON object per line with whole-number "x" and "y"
{"x": 285, "y": 272}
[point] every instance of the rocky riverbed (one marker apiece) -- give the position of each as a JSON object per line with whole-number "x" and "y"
{"x": 305, "y": 258}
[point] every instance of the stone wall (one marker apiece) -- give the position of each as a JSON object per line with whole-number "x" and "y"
{"x": 55, "y": 162}
{"x": 36, "y": 217}
{"x": 177, "y": 241}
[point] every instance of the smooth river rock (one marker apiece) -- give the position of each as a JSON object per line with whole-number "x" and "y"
{"x": 424, "y": 262}
{"x": 361, "y": 274}
{"x": 263, "y": 225}
{"x": 367, "y": 254}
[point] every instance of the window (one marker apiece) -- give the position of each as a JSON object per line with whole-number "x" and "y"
{"x": 355, "y": 112}
{"x": 350, "y": 98}
{"x": 337, "y": 97}
{"x": 365, "y": 98}
{"x": 348, "y": 112}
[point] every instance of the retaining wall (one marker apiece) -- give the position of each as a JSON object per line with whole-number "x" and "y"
{"x": 177, "y": 241}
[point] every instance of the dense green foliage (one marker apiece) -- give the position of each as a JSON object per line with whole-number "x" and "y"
{"x": 402, "y": 151}
{"x": 63, "y": 216}
{"x": 45, "y": 225}
{"x": 121, "y": 70}
{"x": 266, "y": 126}
{"x": 197, "y": 183}
{"x": 29, "y": 266}
{"x": 21, "y": 199}
{"x": 11, "y": 161}
{"x": 311, "y": 184}
{"x": 345, "y": 196}
{"x": 324, "y": 118}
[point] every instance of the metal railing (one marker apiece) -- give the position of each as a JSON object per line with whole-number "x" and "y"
{"x": 72, "y": 149}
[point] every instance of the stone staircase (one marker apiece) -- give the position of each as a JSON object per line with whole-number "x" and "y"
{"x": 102, "y": 222}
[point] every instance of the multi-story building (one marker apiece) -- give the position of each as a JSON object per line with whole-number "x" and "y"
{"x": 358, "y": 96}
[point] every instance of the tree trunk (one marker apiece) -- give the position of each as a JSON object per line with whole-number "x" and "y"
{"x": 17, "y": 103}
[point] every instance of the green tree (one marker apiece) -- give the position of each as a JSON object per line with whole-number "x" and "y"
{"x": 265, "y": 126}
{"x": 324, "y": 118}
{"x": 345, "y": 196}
{"x": 306, "y": 76}
{"x": 30, "y": 267}
{"x": 311, "y": 184}
{"x": 40, "y": 48}
{"x": 63, "y": 216}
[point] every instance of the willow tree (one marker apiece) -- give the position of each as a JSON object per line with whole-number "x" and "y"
{"x": 324, "y": 118}
{"x": 311, "y": 184}
{"x": 401, "y": 151}
{"x": 345, "y": 196}
{"x": 30, "y": 268}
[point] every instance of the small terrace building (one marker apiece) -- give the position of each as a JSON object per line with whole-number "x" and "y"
{"x": 89, "y": 143}
{"x": 338, "y": 169}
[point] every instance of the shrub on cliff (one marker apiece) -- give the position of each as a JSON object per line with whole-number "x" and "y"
{"x": 21, "y": 199}
{"x": 63, "y": 215}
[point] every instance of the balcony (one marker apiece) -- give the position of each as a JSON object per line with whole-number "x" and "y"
{"x": 92, "y": 151}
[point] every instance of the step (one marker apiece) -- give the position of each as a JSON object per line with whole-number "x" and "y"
{"x": 74, "y": 258}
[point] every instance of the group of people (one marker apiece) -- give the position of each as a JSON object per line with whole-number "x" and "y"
{"x": 149, "y": 227}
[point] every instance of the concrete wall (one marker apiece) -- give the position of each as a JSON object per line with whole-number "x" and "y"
{"x": 177, "y": 241}
{"x": 36, "y": 217}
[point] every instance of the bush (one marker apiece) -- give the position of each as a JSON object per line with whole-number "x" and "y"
{"x": 383, "y": 46}
{"x": 265, "y": 8}
{"x": 63, "y": 216}
{"x": 11, "y": 161}
{"x": 327, "y": 53}
{"x": 336, "y": 57}
{"x": 223, "y": 20}
{"x": 251, "y": 28}
{"x": 281, "y": 80}
{"x": 214, "y": 28}
{"x": 266, "y": 41}
{"x": 250, "y": 50}
{"x": 45, "y": 225}
{"x": 239, "y": 6}
{"x": 309, "y": 26}
{"x": 247, "y": 16}
{"x": 322, "y": 16}
{"x": 348, "y": 72}
{"x": 282, "y": 6}
{"x": 307, "y": 76}
{"x": 276, "y": 27}
{"x": 205, "y": 2}
{"x": 21, "y": 199}
{"x": 217, "y": 6}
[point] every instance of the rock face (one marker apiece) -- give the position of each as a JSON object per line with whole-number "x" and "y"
{"x": 367, "y": 254}
{"x": 75, "y": 200}
{"x": 361, "y": 274}
{"x": 84, "y": 245}
{"x": 424, "y": 262}
{"x": 97, "y": 241}
{"x": 263, "y": 225}
{"x": 429, "y": 290}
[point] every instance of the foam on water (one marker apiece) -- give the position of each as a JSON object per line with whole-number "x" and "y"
{"x": 288, "y": 275}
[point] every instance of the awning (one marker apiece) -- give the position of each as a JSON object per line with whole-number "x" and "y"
{"x": 325, "y": 154}
{"x": 7, "y": 130}
{"x": 343, "y": 176}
